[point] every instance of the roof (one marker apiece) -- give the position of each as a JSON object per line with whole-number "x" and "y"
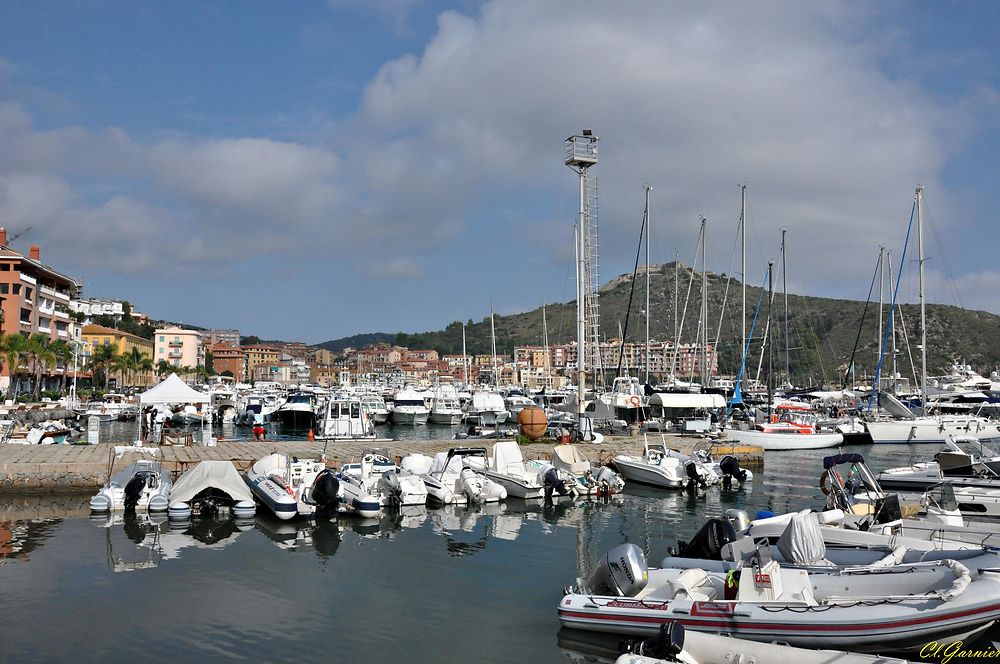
{"x": 173, "y": 390}
{"x": 100, "y": 329}
{"x": 10, "y": 253}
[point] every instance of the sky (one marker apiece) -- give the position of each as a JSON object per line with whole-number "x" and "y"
{"x": 312, "y": 170}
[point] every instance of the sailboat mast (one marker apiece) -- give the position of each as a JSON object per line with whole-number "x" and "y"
{"x": 770, "y": 339}
{"x": 881, "y": 283}
{"x": 923, "y": 309}
{"x": 465, "y": 360}
{"x": 743, "y": 260}
{"x": 892, "y": 320}
{"x": 704, "y": 304}
{"x": 493, "y": 336}
{"x": 648, "y": 224}
{"x": 545, "y": 340}
{"x": 784, "y": 288}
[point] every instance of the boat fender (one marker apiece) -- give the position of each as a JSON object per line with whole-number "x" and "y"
{"x": 635, "y": 402}
{"x": 962, "y": 580}
{"x": 825, "y": 477}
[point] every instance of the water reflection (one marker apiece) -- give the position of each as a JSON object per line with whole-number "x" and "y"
{"x": 18, "y": 539}
{"x": 588, "y": 647}
{"x": 158, "y": 538}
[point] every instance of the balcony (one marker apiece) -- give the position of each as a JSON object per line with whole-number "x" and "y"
{"x": 55, "y": 294}
{"x": 175, "y": 354}
{"x": 28, "y": 280}
{"x": 176, "y": 344}
{"x": 45, "y": 330}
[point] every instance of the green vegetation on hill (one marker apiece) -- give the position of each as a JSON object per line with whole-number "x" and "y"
{"x": 822, "y": 331}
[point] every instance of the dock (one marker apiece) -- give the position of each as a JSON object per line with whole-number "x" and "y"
{"x": 48, "y": 469}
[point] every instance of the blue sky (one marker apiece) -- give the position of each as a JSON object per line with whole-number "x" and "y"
{"x": 312, "y": 170}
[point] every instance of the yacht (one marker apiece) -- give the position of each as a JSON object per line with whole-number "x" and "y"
{"x": 487, "y": 408}
{"x": 298, "y": 411}
{"x": 409, "y": 407}
{"x": 345, "y": 419}
{"x": 445, "y": 408}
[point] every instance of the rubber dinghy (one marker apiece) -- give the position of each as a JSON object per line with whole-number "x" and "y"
{"x": 892, "y": 609}
{"x": 377, "y": 482}
{"x": 664, "y": 468}
{"x": 289, "y": 486}
{"x": 142, "y": 484}
{"x": 450, "y": 480}
{"x": 675, "y": 644}
{"x": 212, "y": 488}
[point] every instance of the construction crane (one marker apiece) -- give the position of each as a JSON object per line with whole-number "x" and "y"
{"x": 10, "y": 240}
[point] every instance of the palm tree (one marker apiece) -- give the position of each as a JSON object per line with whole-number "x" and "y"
{"x": 100, "y": 359}
{"x": 121, "y": 363}
{"x": 40, "y": 352}
{"x": 63, "y": 353}
{"x": 14, "y": 348}
{"x": 163, "y": 368}
{"x": 145, "y": 366}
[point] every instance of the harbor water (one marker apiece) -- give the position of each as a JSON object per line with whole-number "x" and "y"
{"x": 424, "y": 585}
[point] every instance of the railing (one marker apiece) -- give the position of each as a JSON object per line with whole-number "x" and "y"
{"x": 176, "y": 344}
{"x": 52, "y": 292}
{"x": 28, "y": 280}
{"x": 46, "y": 330}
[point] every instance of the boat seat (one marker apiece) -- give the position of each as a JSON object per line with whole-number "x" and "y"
{"x": 693, "y": 584}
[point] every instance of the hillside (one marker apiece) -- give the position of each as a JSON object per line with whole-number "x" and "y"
{"x": 822, "y": 331}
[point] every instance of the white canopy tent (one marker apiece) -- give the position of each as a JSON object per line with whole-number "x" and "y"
{"x": 173, "y": 390}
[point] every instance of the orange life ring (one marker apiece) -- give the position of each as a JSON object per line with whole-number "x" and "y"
{"x": 635, "y": 402}
{"x": 824, "y": 477}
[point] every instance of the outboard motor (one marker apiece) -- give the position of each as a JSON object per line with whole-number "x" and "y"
{"x": 325, "y": 492}
{"x": 553, "y": 481}
{"x": 695, "y": 479}
{"x": 622, "y": 572}
{"x": 707, "y": 543}
{"x": 730, "y": 468}
{"x": 133, "y": 491}
{"x": 739, "y": 519}
{"x": 391, "y": 482}
{"x": 666, "y": 645}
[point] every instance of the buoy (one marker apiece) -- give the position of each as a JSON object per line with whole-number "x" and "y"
{"x": 311, "y": 435}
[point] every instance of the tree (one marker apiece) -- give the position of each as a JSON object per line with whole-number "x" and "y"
{"x": 39, "y": 351}
{"x": 63, "y": 353}
{"x": 14, "y": 349}
{"x": 101, "y": 359}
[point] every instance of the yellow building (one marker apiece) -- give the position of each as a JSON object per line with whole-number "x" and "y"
{"x": 260, "y": 355}
{"x": 94, "y": 336}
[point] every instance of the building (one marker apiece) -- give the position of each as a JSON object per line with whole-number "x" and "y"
{"x": 213, "y": 337}
{"x": 94, "y": 336}
{"x": 226, "y": 357}
{"x": 260, "y": 355}
{"x": 34, "y": 298}
{"x": 179, "y": 347}
{"x": 320, "y": 357}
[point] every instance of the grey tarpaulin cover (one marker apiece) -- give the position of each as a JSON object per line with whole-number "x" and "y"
{"x": 219, "y": 475}
{"x": 802, "y": 541}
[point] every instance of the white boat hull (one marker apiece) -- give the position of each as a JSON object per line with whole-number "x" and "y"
{"x": 932, "y": 430}
{"x": 785, "y": 441}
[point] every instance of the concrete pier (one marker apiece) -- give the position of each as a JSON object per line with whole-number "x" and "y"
{"x": 42, "y": 469}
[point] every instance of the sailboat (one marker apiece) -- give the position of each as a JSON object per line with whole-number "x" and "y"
{"x": 774, "y": 434}
{"x": 908, "y": 427}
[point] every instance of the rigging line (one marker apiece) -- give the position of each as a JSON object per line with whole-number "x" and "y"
{"x": 944, "y": 259}
{"x": 687, "y": 299}
{"x": 737, "y": 391}
{"x": 885, "y": 335}
{"x": 906, "y": 342}
{"x": 725, "y": 296}
{"x": 631, "y": 292}
{"x": 864, "y": 314}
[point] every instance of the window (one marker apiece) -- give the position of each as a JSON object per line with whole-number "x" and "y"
{"x": 177, "y": 363}
{"x": 4, "y": 288}
{"x": 27, "y": 293}
{"x": 161, "y": 340}
{"x": 16, "y": 289}
{"x": 161, "y": 347}
{"x": 5, "y": 267}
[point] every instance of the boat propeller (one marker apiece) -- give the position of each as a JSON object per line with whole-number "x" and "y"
{"x": 696, "y": 481}
{"x": 730, "y": 468}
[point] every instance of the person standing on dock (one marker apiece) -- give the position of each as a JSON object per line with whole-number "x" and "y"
{"x": 259, "y": 432}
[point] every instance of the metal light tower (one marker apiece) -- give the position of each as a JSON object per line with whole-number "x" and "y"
{"x": 580, "y": 154}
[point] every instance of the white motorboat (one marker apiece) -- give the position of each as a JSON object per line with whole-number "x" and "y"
{"x": 289, "y": 486}
{"x": 891, "y": 609}
{"x": 785, "y": 436}
{"x": 975, "y": 478}
{"x": 345, "y": 419}
{"x": 258, "y": 408}
{"x": 377, "y": 478}
{"x": 298, "y": 411}
{"x": 445, "y": 408}
{"x": 675, "y": 644}
{"x": 591, "y": 480}
{"x": 375, "y": 406}
{"x": 486, "y": 409}
{"x": 506, "y": 466}
{"x": 192, "y": 414}
{"x": 664, "y": 468}
{"x": 450, "y": 480}
{"x": 409, "y": 407}
{"x": 933, "y": 429}
{"x": 112, "y": 407}
{"x": 211, "y": 488}
{"x": 142, "y": 484}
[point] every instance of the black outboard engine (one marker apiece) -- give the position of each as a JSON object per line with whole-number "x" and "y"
{"x": 666, "y": 646}
{"x": 707, "y": 543}
{"x": 133, "y": 491}
{"x": 695, "y": 479}
{"x": 324, "y": 492}
{"x": 730, "y": 468}
{"x": 391, "y": 480}
{"x": 553, "y": 481}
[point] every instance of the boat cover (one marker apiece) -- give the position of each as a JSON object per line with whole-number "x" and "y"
{"x": 802, "y": 541}
{"x": 837, "y": 459}
{"x": 895, "y": 407}
{"x": 570, "y": 459}
{"x": 437, "y": 466}
{"x": 507, "y": 453}
{"x": 219, "y": 475}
